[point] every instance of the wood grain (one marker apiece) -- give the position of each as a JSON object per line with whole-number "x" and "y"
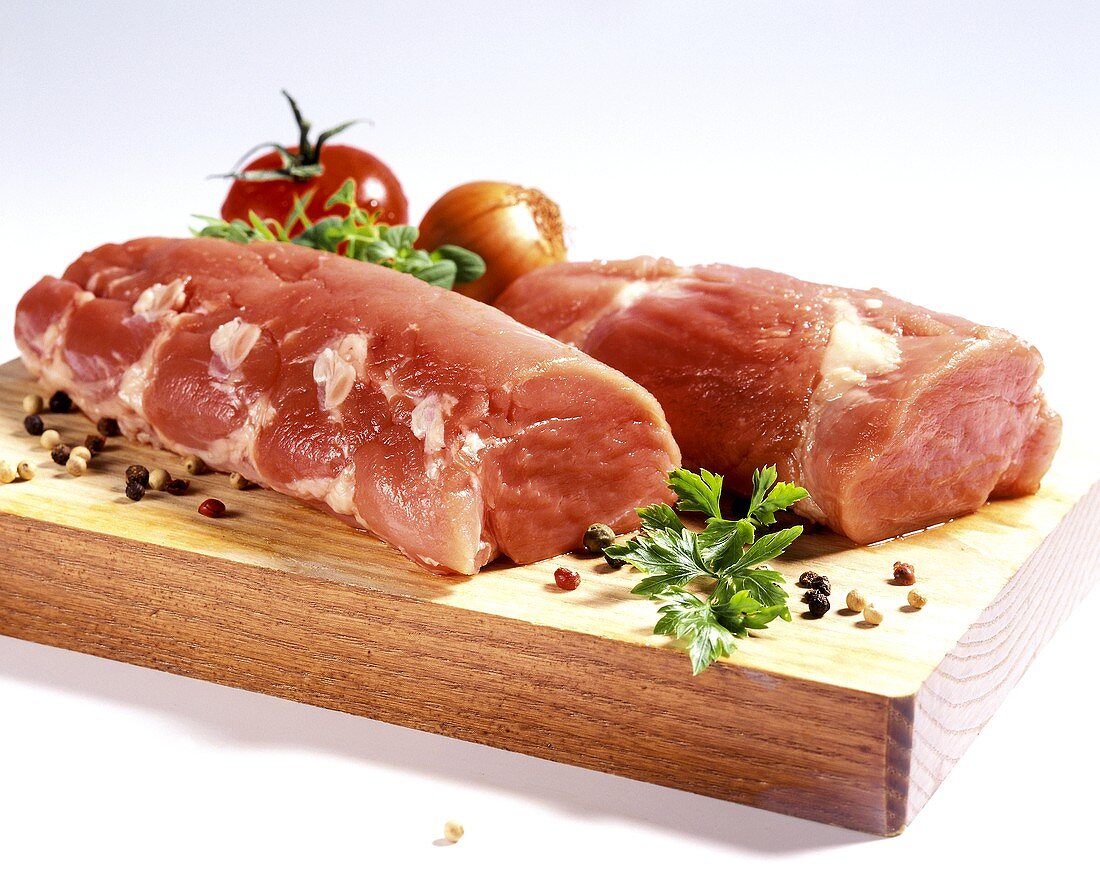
{"x": 827, "y": 719}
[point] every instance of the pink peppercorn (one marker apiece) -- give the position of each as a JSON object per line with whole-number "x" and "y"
{"x": 567, "y": 579}
{"x": 212, "y": 508}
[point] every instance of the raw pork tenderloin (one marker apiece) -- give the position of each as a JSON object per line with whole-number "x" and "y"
{"x": 892, "y": 416}
{"x": 442, "y": 425}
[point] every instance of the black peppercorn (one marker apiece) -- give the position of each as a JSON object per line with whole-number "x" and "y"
{"x": 95, "y": 443}
{"x": 134, "y": 490}
{"x": 817, "y": 603}
{"x": 34, "y": 424}
{"x": 108, "y": 427}
{"x": 177, "y": 486}
{"x": 60, "y": 402}
{"x": 138, "y": 474}
{"x": 812, "y": 580}
{"x": 822, "y": 587}
{"x": 60, "y": 453}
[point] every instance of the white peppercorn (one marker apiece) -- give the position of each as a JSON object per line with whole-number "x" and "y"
{"x": 855, "y": 600}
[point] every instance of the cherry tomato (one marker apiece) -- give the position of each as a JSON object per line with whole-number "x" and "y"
{"x": 377, "y": 189}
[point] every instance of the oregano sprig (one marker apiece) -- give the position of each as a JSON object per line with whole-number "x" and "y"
{"x": 712, "y": 586}
{"x": 358, "y": 235}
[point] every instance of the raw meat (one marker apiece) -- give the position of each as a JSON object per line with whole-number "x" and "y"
{"x": 440, "y": 424}
{"x": 892, "y": 416}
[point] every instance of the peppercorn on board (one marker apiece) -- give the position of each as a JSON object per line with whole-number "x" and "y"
{"x": 828, "y": 719}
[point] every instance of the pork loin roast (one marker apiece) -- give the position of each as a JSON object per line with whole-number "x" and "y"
{"x": 892, "y": 416}
{"x": 439, "y": 423}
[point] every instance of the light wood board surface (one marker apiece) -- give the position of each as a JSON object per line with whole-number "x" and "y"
{"x": 828, "y": 719}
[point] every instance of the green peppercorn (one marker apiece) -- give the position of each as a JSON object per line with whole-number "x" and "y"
{"x": 597, "y": 537}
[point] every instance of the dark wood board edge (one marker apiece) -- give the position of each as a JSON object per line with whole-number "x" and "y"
{"x": 770, "y": 741}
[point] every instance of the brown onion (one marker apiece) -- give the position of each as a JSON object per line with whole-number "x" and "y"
{"x": 514, "y": 229}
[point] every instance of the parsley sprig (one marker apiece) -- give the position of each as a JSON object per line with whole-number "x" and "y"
{"x": 712, "y": 586}
{"x": 358, "y": 235}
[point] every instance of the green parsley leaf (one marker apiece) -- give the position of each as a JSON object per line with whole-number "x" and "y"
{"x": 659, "y": 516}
{"x": 691, "y": 620}
{"x": 766, "y": 548}
{"x": 697, "y": 492}
{"x": 724, "y": 541}
{"x": 764, "y": 503}
{"x": 764, "y": 585}
{"x": 734, "y": 591}
{"x": 670, "y": 559}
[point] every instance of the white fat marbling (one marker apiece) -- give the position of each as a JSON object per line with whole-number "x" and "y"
{"x": 232, "y": 342}
{"x": 427, "y": 421}
{"x": 337, "y": 492}
{"x": 338, "y": 367}
{"x": 856, "y": 352}
{"x": 161, "y": 298}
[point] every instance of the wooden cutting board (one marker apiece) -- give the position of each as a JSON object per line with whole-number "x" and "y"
{"x": 826, "y": 719}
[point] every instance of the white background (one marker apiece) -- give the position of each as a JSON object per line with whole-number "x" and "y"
{"x": 945, "y": 152}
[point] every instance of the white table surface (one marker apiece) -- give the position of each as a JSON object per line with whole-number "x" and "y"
{"x": 946, "y": 152}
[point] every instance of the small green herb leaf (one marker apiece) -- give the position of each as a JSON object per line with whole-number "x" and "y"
{"x": 441, "y": 274}
{"x": 344, "y": 196}
{"x": 400, "y": 236}
{"x": 358, "y": 235}
{"x": 469, "y": 266}
{"x": 326, "y": 235}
